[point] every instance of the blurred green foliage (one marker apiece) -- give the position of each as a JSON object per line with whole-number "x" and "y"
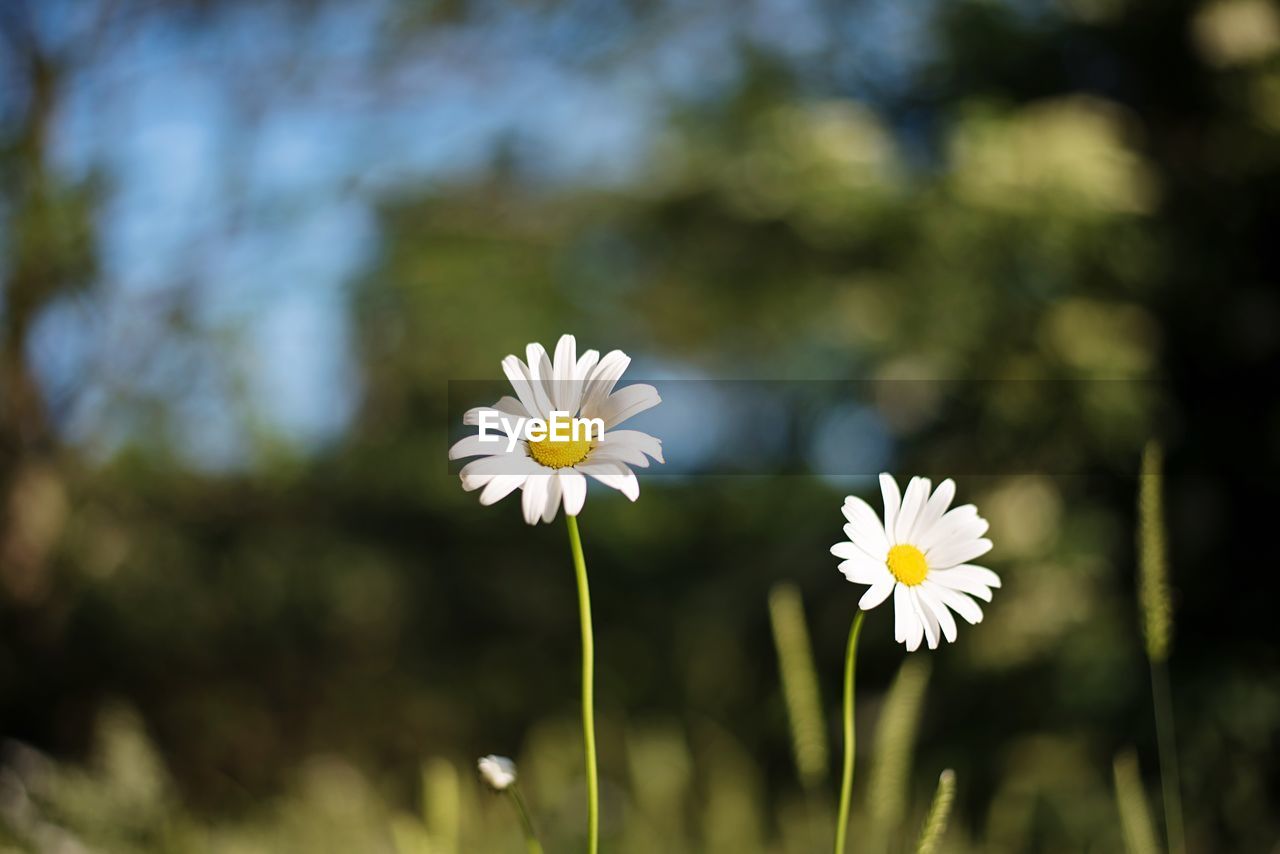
{"x": 307, "y": 650}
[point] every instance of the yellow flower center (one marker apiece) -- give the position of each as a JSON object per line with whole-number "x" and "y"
{"x": 908, "y": 565}
{"x": 560, "y": 453}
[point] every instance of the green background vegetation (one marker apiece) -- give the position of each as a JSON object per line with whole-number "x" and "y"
{"x": 304, "y": 645}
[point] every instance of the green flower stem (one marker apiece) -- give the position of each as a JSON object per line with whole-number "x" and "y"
{"x": 588, "y": 687}
{"x": 1167, "y": 745}
{"x": 531, "y": 843}
{"x": 846, "y": 775}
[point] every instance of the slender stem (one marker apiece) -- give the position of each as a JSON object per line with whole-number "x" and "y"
{"x": 588, "y": 687}
{"x": 531, "y": 843}
{"x": 1171, "y": 787}
{"x": 846, "y": 775}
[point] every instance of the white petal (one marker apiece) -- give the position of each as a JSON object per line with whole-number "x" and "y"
{"x": 507, "y": 409}
{"x": 954, "y": 552}
{"x": 541, "y": 376}
{"x": 940, "y": 612}
{"x": 960, "y": 584}
{"x": 491, "y": 445}
{"x": 892, "y": 502}
{"x": 562, "y": 370}
{"x": 477, "y": 473}
{"x": 602, "y": 380}
{"x": 518, "y": 374}
{"x": 902, "y": 613}
{"x": 538, "y": 361}
{"x": 912, "y": 503}
{"x": 965, "y": 580}
{"x": 566, "y": 358}
{"x": 500, "y": 487}
{"x": 472, "y": 482}
{"x": 933, "y": 509}
{"x": 534, "y": 500}
{"x": 552, "y": 502}
{"x": 632, "y": 440}
{"x": 915, "y": 626}
{"x": 627, "y": 402}
{"x": 864, "y": 527}
{"x": 958, "y": 602}
{"x": 927, "y": 620}
{"x": 574, "y": 486}
{"x": 878, "y": 592}
{"x": 846, "y": 550}
{"x": 914, "y": 496}
{"x": 861, "y": 569}
{"x": 958, "y": 523}
{"x": 965, "y": 529}
{"x": 979, "y": 573}
{"x": 612, "y": 474}
{"x": 586, "y": 362}
{"x": 623, "y": 455}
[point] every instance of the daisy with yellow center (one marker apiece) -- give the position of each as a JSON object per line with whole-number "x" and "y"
{"x": 550, "y": 465}
{"x": 921, "y": 555}
{"x": 552, "y": 471}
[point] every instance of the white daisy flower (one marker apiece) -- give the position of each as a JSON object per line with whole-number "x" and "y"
{"x": 552, "y": 471}
{"x": 498, "y": 772}
{"x": 920, "y": 555}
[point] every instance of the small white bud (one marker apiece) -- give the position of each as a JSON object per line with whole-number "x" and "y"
{"x": 498, "y": 772}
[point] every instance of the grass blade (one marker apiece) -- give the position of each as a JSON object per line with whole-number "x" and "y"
{"x": 935, "y": 825}
{"x": 799, "y": 684}
{"x": 1153, "y": 570}
{"x": 894, "y": 744}
{"x": 1157, "y": 627}
{"x": 1135, "y": 816}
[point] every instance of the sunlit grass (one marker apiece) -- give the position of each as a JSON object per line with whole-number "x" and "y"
{"x": 1131, "y": 804}
{"x": 888, "y": 791}
{"x": 1157, "y": 624}
{"x": 935, "y": 825}
{"x": 799, "y": 684}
